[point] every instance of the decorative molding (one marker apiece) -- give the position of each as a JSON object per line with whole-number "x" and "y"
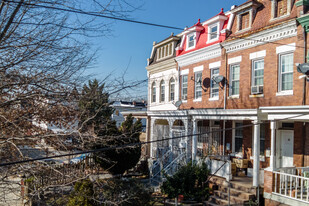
{"x": 259, "y": 54}
{"x": 286, "y": 48}
{"x": 184, "y": 72}
{"x": 198, "y": 69}
{"x": 161, "y": 66}
{"x": 215, "y": 65}
{"x": 234, "y": 60}
{"x": 199, "y": 55}
{"x": 282, "y": 31}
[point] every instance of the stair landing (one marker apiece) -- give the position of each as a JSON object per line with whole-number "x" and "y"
{"x": 241, "y": 191}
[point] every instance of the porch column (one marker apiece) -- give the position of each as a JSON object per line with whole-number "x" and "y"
{"x": 273, "y": 127}
{"x": 188, "y": 137}
{"x": 152, "y": 121}
{"x": 194, "y": 140}
{"x": 170, "y": 142}
{"x": 256, "y": 160}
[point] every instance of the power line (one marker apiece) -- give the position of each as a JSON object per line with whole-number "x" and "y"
{"x": 137, "y": 22}
{"x": 137, "y": 144}
{"x": 96, "y": 15}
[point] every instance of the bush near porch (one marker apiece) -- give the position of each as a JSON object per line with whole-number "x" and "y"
{"x": 189, "y": 181}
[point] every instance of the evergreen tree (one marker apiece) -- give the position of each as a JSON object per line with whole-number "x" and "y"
{"x": 96, "y": 119}
{"x": 117, "y": 161}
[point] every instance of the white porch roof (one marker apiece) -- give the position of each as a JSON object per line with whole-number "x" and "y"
{"x": 286, "y": 113}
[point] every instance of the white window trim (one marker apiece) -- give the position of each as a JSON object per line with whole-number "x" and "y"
{"x": 188, "y": 37}
{"x": 217, "y": 24}
{"x": 213, "y": 98}
{"x": 284, "y": 92}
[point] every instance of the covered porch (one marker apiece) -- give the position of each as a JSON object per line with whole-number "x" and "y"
{"x": 286, "y": 180}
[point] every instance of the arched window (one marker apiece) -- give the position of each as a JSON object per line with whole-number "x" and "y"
{"x": 153, "y": 92}
{"x": 162, "y": 91}
{"x": 172, "y": 89}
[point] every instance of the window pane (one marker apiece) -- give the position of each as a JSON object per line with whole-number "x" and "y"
{"x": 238, "y": 137}
{"x": 258, "y": 73}
{"x": 213, "y": 32}
{"x": 214, "y": 92}
{"x": 184, "y": 86}
{"x": 286, "y": 72}
{"x": 287, "y": 81}
{"x": 153, "y": 92}
{"x": 172, "y": 90}
{"x": 162, "y": 91}
{"x": 198, "y": 85}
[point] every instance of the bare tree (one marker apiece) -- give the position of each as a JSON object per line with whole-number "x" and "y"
{"x": 43, "y": 53}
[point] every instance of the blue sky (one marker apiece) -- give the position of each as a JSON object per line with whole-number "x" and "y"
{"x": 130, "y": 44}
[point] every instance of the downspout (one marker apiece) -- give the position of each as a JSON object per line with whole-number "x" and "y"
{"x": 304, "y": 93}
{"x": 305, "y": 61}
{"x": 224, "y": 106}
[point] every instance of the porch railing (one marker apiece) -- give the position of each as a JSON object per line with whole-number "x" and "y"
{"x": 291, "y": 186}
{"x": 300, "y": 171}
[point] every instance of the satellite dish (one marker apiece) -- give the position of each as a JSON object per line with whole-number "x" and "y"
{"x": 303, "y": 68}
{"x": 178, "y": 103}
{"x": 218, "y": 79}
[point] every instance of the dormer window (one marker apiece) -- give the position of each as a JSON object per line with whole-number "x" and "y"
{"x": 246, "y": 14}
{"x": 191, "y": 41}
{"x": 165, "y": 51}
{"x": 214, "y": 26}
{"x": 281, "y": 8}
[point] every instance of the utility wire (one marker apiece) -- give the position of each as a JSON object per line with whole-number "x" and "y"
{"x": 137, "y": 144}
{"x": 134, "y": 21}
{"x": 96, "y": 15}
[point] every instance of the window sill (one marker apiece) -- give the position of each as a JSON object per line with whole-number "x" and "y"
{"x": 197, "y": 100}
{"x": 256, "y": 95}
{"x": 213, "y": 99}
{"x": 234, "y": 96}
{"x": 243, "y": 30}
{"x": 190, "y": 48}
{"x": 284, "y": 93}
{"x": 280, "y": 17}
{"x": 184, "y": 101}
{"x": 212, "y": 40}
{"x": 262, "y": 158}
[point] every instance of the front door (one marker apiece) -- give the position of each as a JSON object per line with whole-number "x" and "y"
{"x": 286, "y": 149}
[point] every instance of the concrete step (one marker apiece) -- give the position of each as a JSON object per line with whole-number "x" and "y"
{"x": 233, "y": 199}
{"x": 208, "y": 203}
{"x": 238, "y": 186}
{"x": 238, "y": 193}
{"x": 217, "y": 200}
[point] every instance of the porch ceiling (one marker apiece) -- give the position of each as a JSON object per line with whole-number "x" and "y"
{"x": 286, "y": 113}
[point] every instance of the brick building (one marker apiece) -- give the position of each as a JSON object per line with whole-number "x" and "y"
{"x": 228, "y": 88}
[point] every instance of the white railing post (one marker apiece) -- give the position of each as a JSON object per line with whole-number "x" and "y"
{"x": 256, "y": 161}
{"x": 273, "y": 145}
{"x": 194, "y": 140}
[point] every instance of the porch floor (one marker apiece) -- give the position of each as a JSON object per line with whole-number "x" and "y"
{"x": 243, "y": 181}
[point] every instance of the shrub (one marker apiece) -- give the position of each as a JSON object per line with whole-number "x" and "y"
{"x": 189, "y": 181}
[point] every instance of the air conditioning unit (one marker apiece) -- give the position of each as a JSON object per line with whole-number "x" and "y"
{"x": 257, "y": 90}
